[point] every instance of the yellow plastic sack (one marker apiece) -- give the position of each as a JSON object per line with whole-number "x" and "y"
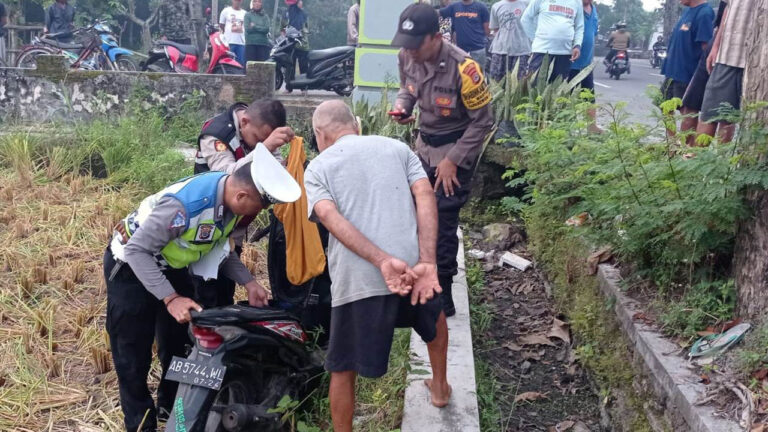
{"x": 304, "y": 255}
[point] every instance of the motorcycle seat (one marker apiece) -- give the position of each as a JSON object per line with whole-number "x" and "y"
{"x": 48, "y": 40}
{"x": 240, "y": 313}
{"x": 185, "y": 49}
{"x": 330, "y": 52}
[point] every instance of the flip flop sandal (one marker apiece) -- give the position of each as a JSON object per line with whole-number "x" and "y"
{"x": 717, "y": 343}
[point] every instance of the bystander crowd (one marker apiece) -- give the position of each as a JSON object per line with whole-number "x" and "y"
{"x": 557, "y": 29}
{"x": 726, "y": 64}
{"x": 353, "y": 23}
{"x": 591, "y": 26}
{"x": 60, "y": 18}
{"x": 470, "y": 23}
{"x": 232, "y": 21}
{"x": 510, "y": 47}
{"x": 257, "y": 25}
{"x": 689, "y": 40}
{"x": 174, "y": 22}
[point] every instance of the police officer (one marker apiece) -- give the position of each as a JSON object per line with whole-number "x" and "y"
{"x": 456, "y": 117}
{"x": 182, "y": 230}
{"x": 225, "y": 143}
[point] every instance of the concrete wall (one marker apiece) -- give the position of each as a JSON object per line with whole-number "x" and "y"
{"x": 53, "y": 92}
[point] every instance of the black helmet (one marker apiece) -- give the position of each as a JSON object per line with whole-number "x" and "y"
{"x": 621, "y": 25}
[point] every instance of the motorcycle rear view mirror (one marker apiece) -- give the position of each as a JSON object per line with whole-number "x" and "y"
{"x": 207, "y": 12}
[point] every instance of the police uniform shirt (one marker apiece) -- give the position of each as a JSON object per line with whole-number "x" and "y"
{"x": 217, "y": 153}
{"x": 452, "y": 95}
{"x": 165, "y": 223}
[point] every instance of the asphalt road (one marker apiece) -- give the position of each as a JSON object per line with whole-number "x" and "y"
{"x": 630, "y": 88}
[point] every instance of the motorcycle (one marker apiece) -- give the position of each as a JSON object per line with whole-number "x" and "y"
{"x": 84, "y": 53}
{"x": 619, "y": 65}
{"x": 330, "y": 69}
{"x": 167, "y": 56}
{"x": 121, "y": 58}
{"x": 658, "y": 57}
{"x": 245, "y": 361}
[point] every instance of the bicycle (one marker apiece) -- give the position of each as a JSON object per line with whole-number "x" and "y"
{"x": 87, "y": 54}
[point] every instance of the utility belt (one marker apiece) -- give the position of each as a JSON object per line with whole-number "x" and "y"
{"x": 441, "y": 140}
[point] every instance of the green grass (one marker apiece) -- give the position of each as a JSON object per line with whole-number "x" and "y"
{"x": 480, "y": 319}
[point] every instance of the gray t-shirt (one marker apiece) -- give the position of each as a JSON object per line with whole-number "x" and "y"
{"x": 369, "y": 179}
{"x": 510, "y": 39}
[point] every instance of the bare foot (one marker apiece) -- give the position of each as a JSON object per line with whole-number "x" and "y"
{"x": 439, "y": 398}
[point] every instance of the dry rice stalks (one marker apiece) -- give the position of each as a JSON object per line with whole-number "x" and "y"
{"x": 100, "y": 359}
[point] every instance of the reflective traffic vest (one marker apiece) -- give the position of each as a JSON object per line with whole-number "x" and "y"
{"x": 203, "y": 232}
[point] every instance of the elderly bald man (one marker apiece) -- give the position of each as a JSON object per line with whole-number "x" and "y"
{"x": 374, "y": 197}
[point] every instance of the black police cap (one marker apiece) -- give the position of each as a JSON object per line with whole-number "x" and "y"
{"x": 417, "y": 21}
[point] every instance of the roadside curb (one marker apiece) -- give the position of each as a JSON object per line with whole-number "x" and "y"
{"x": 677, "y": 387}
{"x": 462, "y": 414}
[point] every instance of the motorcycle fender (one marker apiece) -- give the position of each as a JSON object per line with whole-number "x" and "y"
{"x": 191, "y": 404}
{"x": 114, "y": 53}
{"x": 282, "y": 59}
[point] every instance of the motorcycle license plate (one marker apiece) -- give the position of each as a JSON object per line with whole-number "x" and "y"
{"x": 199, "y": 372}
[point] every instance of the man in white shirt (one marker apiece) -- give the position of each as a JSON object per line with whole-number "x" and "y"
{"x": 231, "y": 22}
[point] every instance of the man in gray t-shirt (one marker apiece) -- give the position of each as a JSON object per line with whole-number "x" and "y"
{"x": 375, "y": 199}
{"x": 510, "y": 43}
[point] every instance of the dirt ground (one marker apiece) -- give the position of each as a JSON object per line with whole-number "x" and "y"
{"x": 529, "y": 351}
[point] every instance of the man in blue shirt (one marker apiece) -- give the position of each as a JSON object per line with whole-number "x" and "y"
{"x": 470, "y": 25}
{"x": 689, "y": 40}
{"x": 591, "y": 25}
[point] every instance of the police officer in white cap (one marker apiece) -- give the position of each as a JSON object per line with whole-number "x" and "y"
{"x": 180, "y": 231}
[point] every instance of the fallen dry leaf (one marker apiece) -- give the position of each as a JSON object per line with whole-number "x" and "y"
{"x": 705, "y": 379}
{"x": 512, "y": 346}
{"x": 598, "y": 257}
{"x": 560, "y": 330}
{"x": 529, "y": 397}
{"x": 760, "y": 374}
{"x": 536, "y": 339}
{"x": 577, "y": 220}
{"x": 758, "y": 427}
{"x": 562, "y": 426}
{"x": 730, "y": 324}
{"x": 705, "y": 333}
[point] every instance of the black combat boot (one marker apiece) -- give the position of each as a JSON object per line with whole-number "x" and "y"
{"x": 446, "y": 297}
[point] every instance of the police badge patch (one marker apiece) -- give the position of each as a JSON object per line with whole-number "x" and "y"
{"x": 179, "y": 220}
{"x": 220, "y": 146}
{"x": 204, "y": 233}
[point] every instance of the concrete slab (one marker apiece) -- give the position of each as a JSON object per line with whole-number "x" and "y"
{"x": 462, "y": 414}
{"x": 668, "y": 373}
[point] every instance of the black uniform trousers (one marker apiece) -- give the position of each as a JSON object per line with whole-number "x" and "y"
{"x": 448, "y": 208}
{"x": 135, "y": 318}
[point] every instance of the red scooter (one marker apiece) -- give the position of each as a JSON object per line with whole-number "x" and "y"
{"x": 167, "y": 56}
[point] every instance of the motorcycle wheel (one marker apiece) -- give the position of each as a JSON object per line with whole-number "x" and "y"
{"x": 236, "y": 391}
{"x": 279, "y": 78}
{"x": 125, "y": 63}
{"x": 28, "y": 59}
{"x": 225, "y": 69}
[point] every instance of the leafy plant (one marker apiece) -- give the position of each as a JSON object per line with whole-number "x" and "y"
{"x": 705, "y": 303}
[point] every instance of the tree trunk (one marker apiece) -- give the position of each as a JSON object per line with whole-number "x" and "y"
{"x": 750, "y": 262}
{"x": 145, "y": 24}
{"x": 671, "y": 15}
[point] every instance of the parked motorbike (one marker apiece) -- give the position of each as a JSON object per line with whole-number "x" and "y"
{"x": 619, "y": 65}
{"x": 167, "y": 56}
{"x": 330, "y": 69}
{"x": 245, "y": 361}
{"x": 85, "y": 52}
{"x": 658, "y": 57}
{"x": 121, "y": 58}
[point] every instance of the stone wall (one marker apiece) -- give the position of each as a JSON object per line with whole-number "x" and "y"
{"x": 53, "y": 92}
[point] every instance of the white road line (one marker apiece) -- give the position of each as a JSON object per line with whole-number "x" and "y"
{"x": 658, "y": 75}
{"x": 602, "y": 85}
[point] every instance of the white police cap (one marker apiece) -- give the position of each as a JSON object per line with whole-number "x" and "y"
{"x": 272, "y": 180}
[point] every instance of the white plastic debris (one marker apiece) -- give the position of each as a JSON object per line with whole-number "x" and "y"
{"x": 515, "y": 261}
{"x": 476, "y": 254}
